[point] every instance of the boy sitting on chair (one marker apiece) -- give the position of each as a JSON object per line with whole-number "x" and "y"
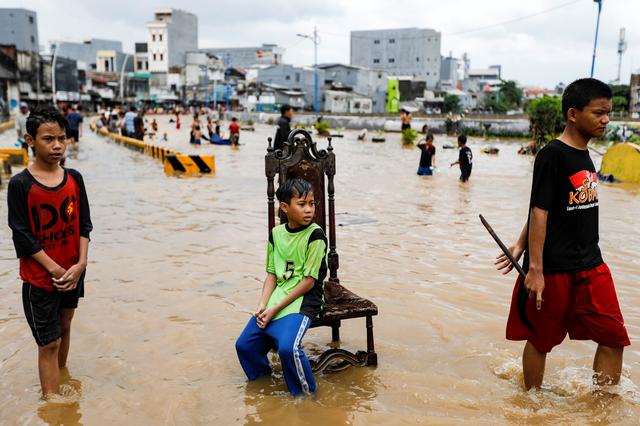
{"x": 292, "y": 294}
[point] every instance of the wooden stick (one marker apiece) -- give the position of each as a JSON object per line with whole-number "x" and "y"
{"x": 504, "y": 248}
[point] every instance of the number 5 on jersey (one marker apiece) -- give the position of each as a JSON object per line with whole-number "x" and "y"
{"x": 288, "y": 272}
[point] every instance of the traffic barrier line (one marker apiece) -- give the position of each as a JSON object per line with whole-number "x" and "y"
{"x": 7, "y": 125}
{"x": 175, "y": 163}
{"x": 15, "y": 156}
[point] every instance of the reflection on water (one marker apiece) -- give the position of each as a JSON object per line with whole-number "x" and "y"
{"x": 63, "y": 409}
{"x": 176, "y": 266}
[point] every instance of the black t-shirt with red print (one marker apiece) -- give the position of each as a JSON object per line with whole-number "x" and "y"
{"x": 565, "y": 184}
{"x": 47, "y": 218}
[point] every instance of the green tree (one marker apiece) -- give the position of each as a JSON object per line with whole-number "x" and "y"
{"x": 511, "y": 94}
{"x": 545, "y": 118}
{"x": 452, "y": 103}
{"x": 621, "y": 96}
{"x": 496, "y": 103}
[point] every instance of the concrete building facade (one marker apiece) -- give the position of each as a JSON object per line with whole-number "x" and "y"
{"x": 85, "y": 53}
{"x": 113, "y": 61}
{"x": 369, "y": 82}
{"x": 267, "y": 54}
{"x": 413, "y": 52}
{"x": 172, "y": 34}
{"x": 296, "y": 78}
{"x": 19, "y": 27}
{"x": 634, "y": 102}
{"x": 141, "y": 58}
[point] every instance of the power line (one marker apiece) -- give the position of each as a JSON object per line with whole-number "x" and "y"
{"x": 520, "y": 18}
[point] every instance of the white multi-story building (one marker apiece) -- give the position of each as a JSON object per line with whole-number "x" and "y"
{"x": 412, "y": 52}
{"x": 172, "y": 34}
{"x": 141, "y": 58}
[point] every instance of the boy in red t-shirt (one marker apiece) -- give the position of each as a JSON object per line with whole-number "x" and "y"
{"x": 560, "y": 243}
{"x": 50, "y": 221}
{"x": 234, "y": 131}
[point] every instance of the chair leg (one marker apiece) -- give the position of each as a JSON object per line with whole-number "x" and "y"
{"x": 372, "y": 357}
{"x": 335, "y": 332}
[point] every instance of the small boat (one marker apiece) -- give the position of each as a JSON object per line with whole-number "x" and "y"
{"x": 447, "y": 146}
{"x": 337, "y": 135}
{"x": 378, "y": 139}
{"x": 248, "y": 129}
{"x": 492, "y": 150}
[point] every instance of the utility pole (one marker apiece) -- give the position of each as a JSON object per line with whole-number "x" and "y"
{"x": 53, "y": 73}
{"x": 622, "y": 47}
{"x": 122, "y": 77}
{"x": 595, "y": 43}
{"x": 314, "y": 38}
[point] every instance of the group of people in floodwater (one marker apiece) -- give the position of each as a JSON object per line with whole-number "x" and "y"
{"x": 567, "y": 288}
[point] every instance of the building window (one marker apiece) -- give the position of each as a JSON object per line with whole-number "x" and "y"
{"x": 392, "y": 41}
{"x": 154, "y": 57}
{"x": 153, "y": 37}
{"x": 391, "y": 60}
{"x": 427, "y": 72}
{"x": 31, "y": 19}
{"x": 297, "y": 77}
{"x": 159, "y": 37}
{"x": 162, "y": 56}
{"x": 429, "y": 39}
{"x": 33, "y": 39}
{"x": 139, "y": 65}
{"x": 287, "y": 77}
{"x": 376, "y": 61}
{"x": 376, "y": 41}
{"x": 417, "y": 59}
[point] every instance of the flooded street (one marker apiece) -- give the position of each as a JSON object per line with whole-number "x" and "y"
{"x": 176, "y": 267}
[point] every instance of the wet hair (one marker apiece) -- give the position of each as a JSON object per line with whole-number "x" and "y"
{"x": 579, "y": 93}
{"x": 462, "y": 139}
{"x": 132, "y": 108}
{"x": 45, "y": 114}
{"x": 234, "y": 119}
{"x": 284, "y": 108}
{"x": 429, "y": 136}
{"x": 79, "y": 108}
{"x": 293, "y": 188}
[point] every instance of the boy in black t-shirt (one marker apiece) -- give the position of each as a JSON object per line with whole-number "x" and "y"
{"x": 427, "y": 156}
{"x": 465, "y": 159}
{"x": 560, "y": 244}
{"x": 50, "y": 223}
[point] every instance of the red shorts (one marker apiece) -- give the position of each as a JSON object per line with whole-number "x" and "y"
{"x": 583, "y": 304}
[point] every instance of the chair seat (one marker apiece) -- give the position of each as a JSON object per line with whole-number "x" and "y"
{"x": 341, "y": 304}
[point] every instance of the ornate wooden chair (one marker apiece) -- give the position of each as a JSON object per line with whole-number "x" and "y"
{"x": 300, "y": 158}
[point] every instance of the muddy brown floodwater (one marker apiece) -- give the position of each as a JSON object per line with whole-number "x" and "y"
{"x": 176, "y": 267}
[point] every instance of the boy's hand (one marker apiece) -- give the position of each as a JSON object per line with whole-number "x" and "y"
{"x": 265, "y": 317}
{"x": 69, "y": 280}
{"x": 534, "y": 283}
{"x": 503, "y": 263}
{"x": 260, "y": 310}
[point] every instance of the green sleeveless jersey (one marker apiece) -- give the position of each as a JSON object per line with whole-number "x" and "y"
{"x": 293, "y": 254}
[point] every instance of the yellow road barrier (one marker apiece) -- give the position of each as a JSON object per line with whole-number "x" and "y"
{"x": 622, "y": 161}
{"x": 7, "y": 125}
{"x": 175, "y": 163}
{"x": 15, "y": 156}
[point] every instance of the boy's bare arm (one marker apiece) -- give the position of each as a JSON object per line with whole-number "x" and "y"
{"x": 69, "y": 280}
{"x": 267, "y": 289}
{"x": 301, "y": 289}
{"x": 502, "y": 262}
{"x": 534, "y": 283}
{"x": 49, "y": 264}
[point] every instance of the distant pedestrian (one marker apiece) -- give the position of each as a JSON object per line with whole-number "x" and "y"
{"x": 21, "y": 125}
{"x": 234, "y": 132}
{"x": 427, "y": 156}
{"x": 405, "y": 119}
{"x": 284, "y": 127}
{"x": 465, "y": 159}
{"x": 138, "y": 126}
{"x": 128, "y": 124}
{"x": 75, "y": 119}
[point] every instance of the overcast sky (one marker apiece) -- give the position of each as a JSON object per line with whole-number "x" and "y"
{"x": 540, "y": 50}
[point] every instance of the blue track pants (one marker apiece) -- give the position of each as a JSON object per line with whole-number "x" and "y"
{"x": 285, "y": 334}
